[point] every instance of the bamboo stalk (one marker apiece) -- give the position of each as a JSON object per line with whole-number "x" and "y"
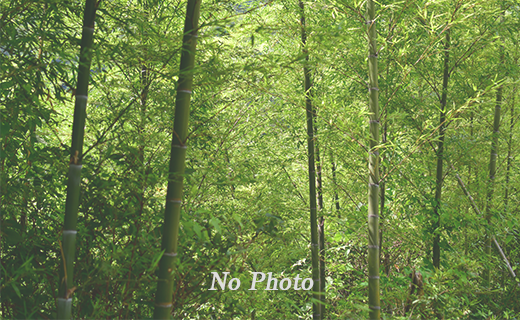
{"x": 311, "y": 168}
{"x": 65, "y": 286}
{"x": 321, "y": 224}
{"x": 373, "y": 168}
{"x": 491, "y": 183}
{"x": 492, "y": 172}
{"x": 382, "y": 189}
{"x": 440, "y": 154}
{"x": 174, "y": 194}
{"x": 509, "y": 147}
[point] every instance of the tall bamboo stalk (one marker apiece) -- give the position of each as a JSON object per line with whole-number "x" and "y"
{"x": 321, "y": 224}
{"x": 373, "y": 167}
{"x": 174, "y": 194}
{"x": 312, "y": 174}
{"x": 509, "y": 149}
{"x": 383, "y": 186}
{"x": 466, "y": 234}
{"x": 492, "y": 171}
{"x": 440, "y": 155}
{"x": 65, "y": 286}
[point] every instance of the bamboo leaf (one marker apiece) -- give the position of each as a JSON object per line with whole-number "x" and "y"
{"x": 16, "y": 290}
{"x": 215, "y": 222}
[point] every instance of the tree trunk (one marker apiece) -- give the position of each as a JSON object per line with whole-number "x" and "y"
{"x": 174, "y": 194}
{"x": 312, "y": 175}
{"x": 440, "y": 155}
{"x": 373, "y": 168}
{"x": 68, "y": 247}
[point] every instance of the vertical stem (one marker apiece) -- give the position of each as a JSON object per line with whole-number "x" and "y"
{"x": 68, "y": 248}
{"x": 466, "y": 235}
{"x": 509, "y": 146}
{"x": 321, "y": 225}
{"x": 491, "y": 182}
{"x": 382, "y": 187}
{"x": 440, "y": 155}
{"x": 373, "y": 168}
{"x": 334, "y": 181}
{"x": 174, "y": 194}
{"x": 312, "y": 175}
{"x": 382, "y": 169}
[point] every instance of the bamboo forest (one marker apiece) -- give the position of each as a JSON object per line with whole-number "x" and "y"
{"x": 260, "y": 159}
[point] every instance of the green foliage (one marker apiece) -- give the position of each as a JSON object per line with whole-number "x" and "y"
{"x": 245, "y": 196}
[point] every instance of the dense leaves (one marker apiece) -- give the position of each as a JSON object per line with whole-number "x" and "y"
{"x": 245, "y": 206}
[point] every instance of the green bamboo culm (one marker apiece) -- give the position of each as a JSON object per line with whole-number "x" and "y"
{"x": 321, "y": 222}
{"x": 68, "y": 247}
{"x": 373, "y": 167}
{"x": 321, "y": 230}
{"x": 492, "y": 172}
{"x": 174, "y": 194}
{"x": 312, "y": 171}
{"x": 440, "y": 155}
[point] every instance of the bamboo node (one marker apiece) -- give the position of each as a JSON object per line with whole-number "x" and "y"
{"x": 373, "y": 121}
{"x": 179, "y": 146}
{"x": 372, "y": 246}
{"x": 373, "y": 277}
{"x": 70, "y": 232}
{"x": 373, "y": 185}
{"x": 373, "y": 88}
{"x": 75, "y": 165}
{"x": 185, "y": 91}
{"x": 90, "y": 29}
{"x": 373, "y": 216}
{"x": 372, "y": 56}
{"x": 163, "y": 305}
{"x": 370, "y": 21}
{"x": 375, "y": 307}
{"x": 75, "y": 159}
{"x": 170, "y": 254}
{"x": 314, "y": 244}
{"x": 63, "y": 299}
{"x": 82, "y": 96}
{"x": 175, "y": 201}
